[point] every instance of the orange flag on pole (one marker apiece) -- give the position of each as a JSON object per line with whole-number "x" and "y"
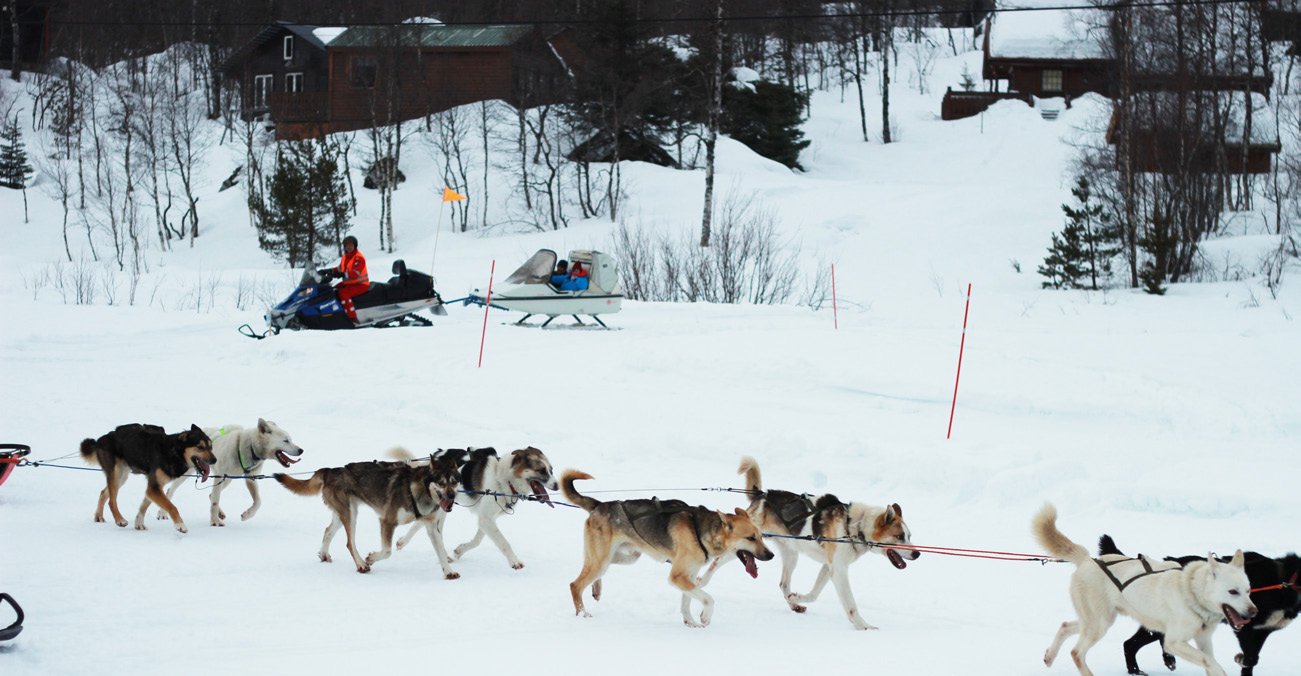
{"x": 450, "y": 195}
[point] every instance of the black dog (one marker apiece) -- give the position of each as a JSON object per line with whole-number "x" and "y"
{"x": 1278, "y": 598}
{"x": 148, "y": 450}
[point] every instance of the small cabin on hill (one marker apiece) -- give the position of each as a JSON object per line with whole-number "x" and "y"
{"x": 283, "y": 71}
{"x": 378, "y": 75}
{"x": 1240, "y": 136}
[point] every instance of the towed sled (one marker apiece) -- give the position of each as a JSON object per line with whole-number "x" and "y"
{"x": 529, "y": 289}
{"x": 10, "y": 456}
{"x": 315, "y": 305}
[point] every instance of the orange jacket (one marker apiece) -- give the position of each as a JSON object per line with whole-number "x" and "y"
{"x": 353, "y": 267}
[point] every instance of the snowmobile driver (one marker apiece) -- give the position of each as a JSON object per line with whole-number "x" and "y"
{"x": 351, "y": 272}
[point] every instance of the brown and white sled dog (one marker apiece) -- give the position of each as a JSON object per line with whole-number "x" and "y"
{"x": 495, "y": 485}
{"x": 785, "y": 513}
{"x": 241, "y": 452}
{"x": 399, "y": 492}
{"x": 670, "y": 530}
{"x": 1185, "y": 603}
{"x": 148, "y": 450}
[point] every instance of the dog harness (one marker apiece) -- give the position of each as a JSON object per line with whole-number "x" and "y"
{"x": 789, "y": 508}
{"x": 668, "y": 507}
{"x": 1147, "y": 570}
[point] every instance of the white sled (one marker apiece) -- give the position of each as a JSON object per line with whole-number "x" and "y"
{"x": 529, "y": 288}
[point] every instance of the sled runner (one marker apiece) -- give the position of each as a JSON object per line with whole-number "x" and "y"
{"x": 9, "y": 632}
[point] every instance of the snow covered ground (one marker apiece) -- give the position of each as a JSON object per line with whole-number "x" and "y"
{"x": 1170, "y": 423}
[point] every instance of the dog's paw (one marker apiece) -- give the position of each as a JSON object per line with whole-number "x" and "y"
{"x": 1048, "y": 659}
{"x": 456, "y": 555}
{"x": 517, "y": 565}
{"x": 798, "y": 608}
{"x": 99, "y": 518}
{"x": 863, "y": 626}
{"x": 450, "y": 575}
{"x": 162, "y": 515}
{"x": 121, "y": 523}
{"x": 363, "y": 568}
{"x": 596, "y": 590}
{"x": 402, "y": 542}
{"x": 582, "y": 613}
{"x": 1236, "y": 658}
{"x": 218, "y": 522}
{"x": 180, "y": 527}
{"x": 325, "y": 558}
{"x": 693, "y": 624}
{"x": 1170, "y": 660}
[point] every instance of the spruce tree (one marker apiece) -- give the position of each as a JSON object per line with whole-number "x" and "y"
{"x": 14, "y": 169}
{"x": 767, "y": 120}
{"x": 1087, "y": 244}
{"x": 1159, "y": 242}
{"x": 304, "y": 211}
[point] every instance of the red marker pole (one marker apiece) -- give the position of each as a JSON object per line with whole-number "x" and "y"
{"x": 834, "y": 314}
{"x": 962, "y": 345}
{"x": 485, "y": 311}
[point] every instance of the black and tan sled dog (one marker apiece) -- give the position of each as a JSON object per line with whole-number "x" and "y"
{"x": 399, "y": 492}
{"x": 668, "y": 530}
{"x": 148, "y": 450}
{"x": 831, "y": 532}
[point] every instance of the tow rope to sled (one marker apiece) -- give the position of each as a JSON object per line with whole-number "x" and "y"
{"x": 947, "y": 551}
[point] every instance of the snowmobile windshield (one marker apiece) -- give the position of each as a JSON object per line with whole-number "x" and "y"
{"x": 310, "y": 278}
{"x": 536, "y": 270}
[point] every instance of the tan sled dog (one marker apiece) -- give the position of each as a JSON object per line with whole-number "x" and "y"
{"x": 1184, "y": 603}
{"x": 669, "y": 530}
{"x": 398, "y": 491}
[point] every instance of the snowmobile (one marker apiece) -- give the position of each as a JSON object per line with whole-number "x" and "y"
{"x": 315, "y": 305}
{"x": 529, "y": 289}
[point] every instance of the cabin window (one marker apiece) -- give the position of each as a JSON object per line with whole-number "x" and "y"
{"x": 289, "y": 48}
{"x": 261, "y": 90}
{"x": 1052, "y": 81}
{"x": 293, "y": 83}
{"x": 362, "y": 72}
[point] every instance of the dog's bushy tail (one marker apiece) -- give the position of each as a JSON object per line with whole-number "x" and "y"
{"x": 90, "y": 451}
{"x": 400, "y": 453}
{"x": 571, "y": 494}
{"x": 753, "y": 483}
{"x": 311, "y": 486}
{"x": 1057, "y": 544}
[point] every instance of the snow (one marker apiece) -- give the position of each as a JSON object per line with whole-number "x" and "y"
{"x": 1170, "y": 423}
{"x": 1045, "y": 34}
{"x": 328, "y": 33}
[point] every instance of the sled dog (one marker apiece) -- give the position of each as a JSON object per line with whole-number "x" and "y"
{"x": 1277, "y": 603}
{"x": 786, "y": 513}
{"x": 669, "y": 530}
{"x": 147, "y": 449}
{"x": 1185, "y": 603}
{"x": 495, "y": 485}
{"x": 241, "y": 452}
{"x": 399, "y": 492}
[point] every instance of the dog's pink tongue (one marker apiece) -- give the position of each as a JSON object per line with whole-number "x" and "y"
{"x": 750, "y": 566}
{"x": 202, "y": 466}
{"x": 541, "y": 491}
{"x": 1235, "y": 620}
{"x": 445, "y": 503}
{"x": 895, "y": 559}
{"x": 284, "y": 458}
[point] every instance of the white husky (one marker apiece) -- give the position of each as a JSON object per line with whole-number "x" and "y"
{"x": 241, "y": 452}
{"x": 1183, "y": 603}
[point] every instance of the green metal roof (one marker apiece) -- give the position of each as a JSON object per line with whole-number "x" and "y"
{"x": 430, "y": 35}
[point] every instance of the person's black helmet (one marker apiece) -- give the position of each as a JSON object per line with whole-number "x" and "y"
{"x": 350, "y": 238}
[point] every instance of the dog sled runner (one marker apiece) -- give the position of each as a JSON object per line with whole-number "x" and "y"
{"x": 529, "y": 289}
{"x": 10, "y": 456}
{"x": 315, "y": 305}
{"x": 8, "y": 633}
